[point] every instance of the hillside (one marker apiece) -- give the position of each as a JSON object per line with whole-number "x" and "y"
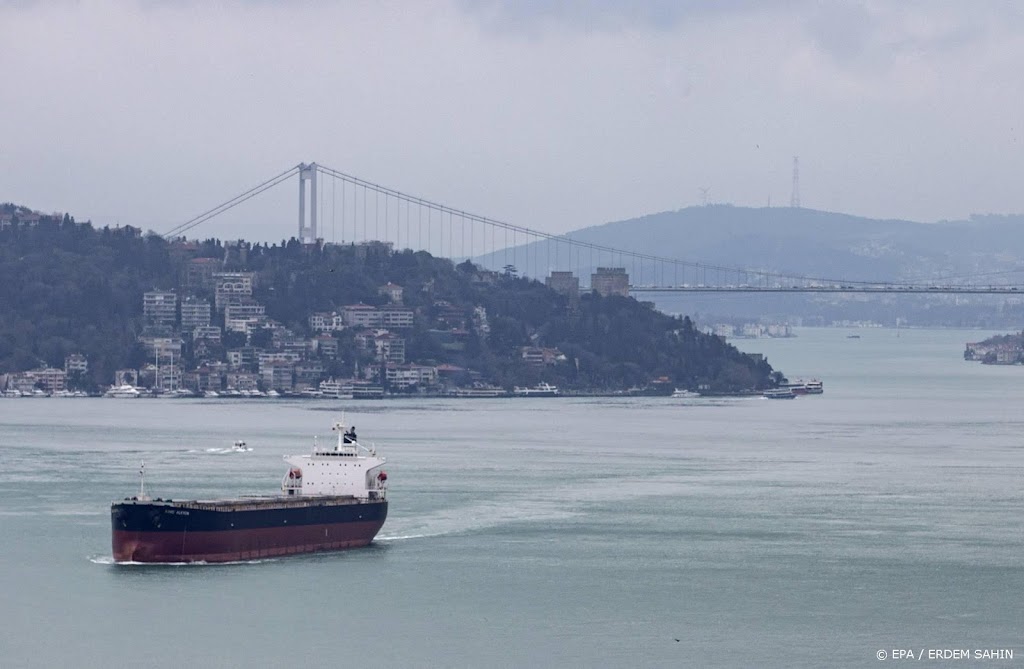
{"x": 67, "y": 288}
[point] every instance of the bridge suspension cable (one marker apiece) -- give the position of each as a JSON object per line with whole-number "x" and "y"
{"x": 576, "y": 244}
{"x": 580, "y": 252}
{"x": 232, "y": 203}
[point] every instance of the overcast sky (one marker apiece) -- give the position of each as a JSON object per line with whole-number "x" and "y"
{"x": 553, "y": 114}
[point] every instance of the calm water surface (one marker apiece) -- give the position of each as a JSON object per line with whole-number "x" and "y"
{"x": 552, "y": 532}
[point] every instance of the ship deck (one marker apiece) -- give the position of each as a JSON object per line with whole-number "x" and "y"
{"x": 255, "y": 503}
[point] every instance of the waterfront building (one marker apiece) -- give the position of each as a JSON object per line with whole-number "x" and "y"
{"x": 268, "y": 359}
{"x": 401, "y": 377}
{"x": 243, "y": 381}
{"x": 277, "y": 375}
{"x": 50, "y": 379}
{"x": 309, "y": 372}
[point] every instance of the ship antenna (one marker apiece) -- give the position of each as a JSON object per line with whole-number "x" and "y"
{"x": 142, "y": 481}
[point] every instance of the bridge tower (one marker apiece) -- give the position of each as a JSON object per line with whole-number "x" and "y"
{"x": 307, "y": 233}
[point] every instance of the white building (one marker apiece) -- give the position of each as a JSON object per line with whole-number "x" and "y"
{"x": 392, "y": 291}
{"x": 231, "y": 287}
{"x": 361, "y": 315}
{"x": 401, "y": 377}
{"x": 160, "y": 307}
{"x": 210, "y": 332}
{"x": 194, "y": 313}
{"x": 76, "y": 363}
{"x": 396, "y": 317}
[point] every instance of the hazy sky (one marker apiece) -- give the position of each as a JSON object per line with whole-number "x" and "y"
{"x": 554, "y": 114}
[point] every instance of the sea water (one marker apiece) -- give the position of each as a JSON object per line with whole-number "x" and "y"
{"x": 884, "y": 515}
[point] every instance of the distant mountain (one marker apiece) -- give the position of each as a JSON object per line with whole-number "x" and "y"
{"x": 810, "y": 243}
{"x": 985, "y": 249}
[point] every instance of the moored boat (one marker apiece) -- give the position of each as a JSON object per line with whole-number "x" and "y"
{"x": 336, "y": 389}
{"x": 332, "y": 499}
{"x": 362, "y": 390}
{"x": 123, "y": 391}
{"x": 684, "y": 394}
{"x": 542, "y": 389}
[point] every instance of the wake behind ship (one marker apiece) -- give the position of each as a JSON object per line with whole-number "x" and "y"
{"x": 332, "y": 499}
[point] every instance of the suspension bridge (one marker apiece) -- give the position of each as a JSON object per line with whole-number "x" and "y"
{"x": 364, "y": 212}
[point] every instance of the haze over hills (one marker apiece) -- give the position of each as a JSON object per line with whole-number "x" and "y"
{"x": 985, "y": 249}
{"x": 820, "y": 243}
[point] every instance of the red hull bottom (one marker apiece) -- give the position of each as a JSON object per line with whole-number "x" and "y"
{"x": 236, "y": 545}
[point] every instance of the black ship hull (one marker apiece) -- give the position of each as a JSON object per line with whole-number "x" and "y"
{"x": 227, "y": 531}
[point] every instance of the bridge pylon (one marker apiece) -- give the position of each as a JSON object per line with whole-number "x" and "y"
{"x": 307, "y": 233}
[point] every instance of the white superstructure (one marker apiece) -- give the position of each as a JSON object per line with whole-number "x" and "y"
{"x": 542, "y": 389}
{"x": 343, "y": 468}
{"x": 123, "y": 391}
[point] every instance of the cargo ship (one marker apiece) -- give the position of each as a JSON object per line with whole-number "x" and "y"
{"x": 333, "y": 499}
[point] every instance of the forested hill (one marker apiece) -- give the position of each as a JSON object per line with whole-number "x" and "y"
{"x": 69, "y": 288}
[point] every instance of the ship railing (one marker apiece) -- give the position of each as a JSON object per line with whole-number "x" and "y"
{"x": 290, "y": 483}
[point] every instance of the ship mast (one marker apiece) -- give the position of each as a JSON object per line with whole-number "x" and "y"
{"x": 142, "y": 482}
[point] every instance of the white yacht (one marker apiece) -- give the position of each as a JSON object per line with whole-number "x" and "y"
{"x": 123, "y": 391}
{"x": 684, "y": 394}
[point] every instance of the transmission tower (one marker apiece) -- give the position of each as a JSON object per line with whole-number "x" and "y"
{"x": 794, "y": 199}
{"x": 704, "y": 196}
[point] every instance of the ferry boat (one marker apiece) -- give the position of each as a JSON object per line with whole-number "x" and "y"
{"x": 480, "y": 390}
{"x": 331, "y": 499}
{"x": 542, "y": 389}
{"x": 362, "y": 390}
{"x": 338, "y": 390}
{"x": 780, "y": 394}
{"x": 801, "y": 387}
